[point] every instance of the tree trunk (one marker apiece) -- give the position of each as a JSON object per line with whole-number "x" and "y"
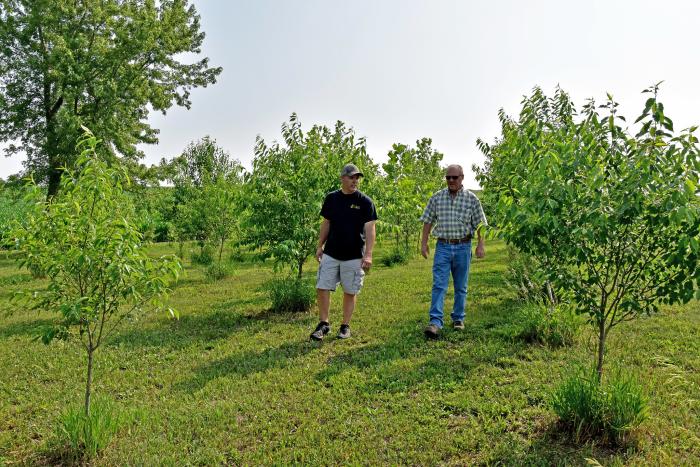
{"x": 54, "y": 181}
{"x": 51, "y": 149}
{"x": 301, "y": 268}
{"x": 88, "y": 383}
{"x": 601, "y": 349}
{"x": 552, "y": 300}
{"x": 54, "y": 169}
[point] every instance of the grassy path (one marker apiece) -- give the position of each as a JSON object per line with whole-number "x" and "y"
{"x": 230, "y": 383}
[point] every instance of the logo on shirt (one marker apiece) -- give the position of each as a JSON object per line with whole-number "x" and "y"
{"x": 354, "y": 206}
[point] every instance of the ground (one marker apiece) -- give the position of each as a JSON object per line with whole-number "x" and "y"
{"x": 231, "y": 383}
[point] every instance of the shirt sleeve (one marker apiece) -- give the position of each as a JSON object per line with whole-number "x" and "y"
{"x": 371, "y": 212}
{"x": 429, "y": 215}
{"x": 326, "y": 208}
{"x": 478, "y": 216}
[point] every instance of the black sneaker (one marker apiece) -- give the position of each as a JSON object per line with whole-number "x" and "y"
{"x": 344, "y": 331}
{"x": 321, "y": 330}
{"x": 458, "y": 325}
{"x": 432, "y": 331}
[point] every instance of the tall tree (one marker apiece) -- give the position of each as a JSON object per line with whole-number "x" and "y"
{"x": 99, "y": 63}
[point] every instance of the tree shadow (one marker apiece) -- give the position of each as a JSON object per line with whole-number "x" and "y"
{"x": 25, "y": 328}
{"x": 247, "y": 363}
{"x": 480, "y": 344}
{"x": 552, "y": 446}
{"x": 219, "y": 323}
{"x": 224, "y": 320}
{"x": 183, "y": 332}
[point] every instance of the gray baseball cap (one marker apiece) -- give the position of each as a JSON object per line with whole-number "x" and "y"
{"x": 349, "y": 170}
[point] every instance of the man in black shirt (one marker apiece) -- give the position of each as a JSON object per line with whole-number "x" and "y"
{"x": 348, "y": 223}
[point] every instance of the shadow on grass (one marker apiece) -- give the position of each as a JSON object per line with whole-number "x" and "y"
{"x": 189, "y": 329}
{"x": 407, "y": 359}
{"x": 223, "y": 321}
{"x": 25, "y": 328}
{"x": 247, "y": 363}
{"x": 551, "y": 446}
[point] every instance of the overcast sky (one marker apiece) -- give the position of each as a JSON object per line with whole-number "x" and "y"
{"x": 397, "y": 71}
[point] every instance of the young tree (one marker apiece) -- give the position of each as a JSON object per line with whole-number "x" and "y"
{"x": 284, "y": 192}
{"x": 99, "y": 63}
{"x": 207, "y": 186}
{"x": 412, "y": 176}
{"x": 615, "y": 218}
{"x": 98, "y": 271}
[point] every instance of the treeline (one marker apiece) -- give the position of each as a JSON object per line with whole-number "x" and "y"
{"x": 206, "y": 195}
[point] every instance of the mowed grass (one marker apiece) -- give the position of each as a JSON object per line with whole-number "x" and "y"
{"x": 231, "y": 383}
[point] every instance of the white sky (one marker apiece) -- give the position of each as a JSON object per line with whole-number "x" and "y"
{"x": 397, "y": 71}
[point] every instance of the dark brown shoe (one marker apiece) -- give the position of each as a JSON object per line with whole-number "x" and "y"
{"x": 458, "y": 325}
{"x": 432, "y": 331}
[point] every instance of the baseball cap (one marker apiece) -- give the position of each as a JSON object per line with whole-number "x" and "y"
{"x": 349, "y": 170}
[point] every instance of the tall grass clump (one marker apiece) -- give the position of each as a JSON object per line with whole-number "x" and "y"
{"x": 396, "y": 256}
{"x": 84, "y": 436}
{"x": 609, "y": 411}
{"x": 203, "y": 257}
{"x": 218, "y": 270}
{"x": 527, "y": 277}
{"x": 290, "y": 294}
{"x": 554, "y": 326}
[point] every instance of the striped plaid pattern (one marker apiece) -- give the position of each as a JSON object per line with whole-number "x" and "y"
{"x": 454, "y": 218}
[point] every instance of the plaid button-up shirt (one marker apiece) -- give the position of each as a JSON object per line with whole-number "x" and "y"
{"x": 454, "y": 218}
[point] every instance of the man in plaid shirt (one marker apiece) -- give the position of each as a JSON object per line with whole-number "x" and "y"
{"x": 454, "y": 215}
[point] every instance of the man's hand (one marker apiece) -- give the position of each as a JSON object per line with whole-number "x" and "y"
{"x": 424, "y": 250}
{"x": 480, "y": 252}
{"x": 366, "y": 263}
{"x": 319, "y": 253}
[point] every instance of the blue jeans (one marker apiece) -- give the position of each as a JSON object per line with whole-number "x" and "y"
{"x": 448, "y": 259}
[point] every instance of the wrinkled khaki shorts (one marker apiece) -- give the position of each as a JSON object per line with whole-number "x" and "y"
{"x": 348, "y": 273}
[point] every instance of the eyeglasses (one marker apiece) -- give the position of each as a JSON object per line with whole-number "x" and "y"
{"x": 451, "y": 177}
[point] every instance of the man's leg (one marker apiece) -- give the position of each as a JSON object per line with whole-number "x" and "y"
{"x": 460, "y": 274}
{"x": 441, "y": 278}
{"x": 323, "y": 299}
{"x": 348, "y": 307}
{"x": 326, "y": 281}
{"x": 351, "y": 278}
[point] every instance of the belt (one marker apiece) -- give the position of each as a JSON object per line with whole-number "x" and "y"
{"x": 455, "y": 241}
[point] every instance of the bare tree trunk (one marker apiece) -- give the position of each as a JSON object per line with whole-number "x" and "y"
{"x": 51, "y": 149}
{"x": 601, "y": 349}
{"x": 301, "y": 267}
{"x": 88, "y": 383}
{"x": 552, "y": 300}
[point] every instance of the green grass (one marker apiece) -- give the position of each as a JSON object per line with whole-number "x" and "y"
{"x": 232, "y": 383}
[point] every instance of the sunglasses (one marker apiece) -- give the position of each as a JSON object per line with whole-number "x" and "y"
{"x": 451, "y": 177}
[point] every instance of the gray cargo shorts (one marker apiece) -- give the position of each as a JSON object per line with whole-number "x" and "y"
{"x": 332, "y": 271}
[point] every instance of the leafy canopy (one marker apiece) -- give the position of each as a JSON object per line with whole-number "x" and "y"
{"x": 614, "y": 216}
{"x": 99, "y": 63}
{"x": 288, "y": 183}
{"x": 91, "y": 251}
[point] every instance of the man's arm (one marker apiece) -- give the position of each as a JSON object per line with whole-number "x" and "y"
{"x": 480, "y": 252}
{"x": 322, "y": 237}
{"x": 424, "y": 240}
{"x": 370, "y": 236}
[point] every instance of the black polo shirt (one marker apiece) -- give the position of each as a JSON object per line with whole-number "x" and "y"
{"x": 348, "y": 215}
